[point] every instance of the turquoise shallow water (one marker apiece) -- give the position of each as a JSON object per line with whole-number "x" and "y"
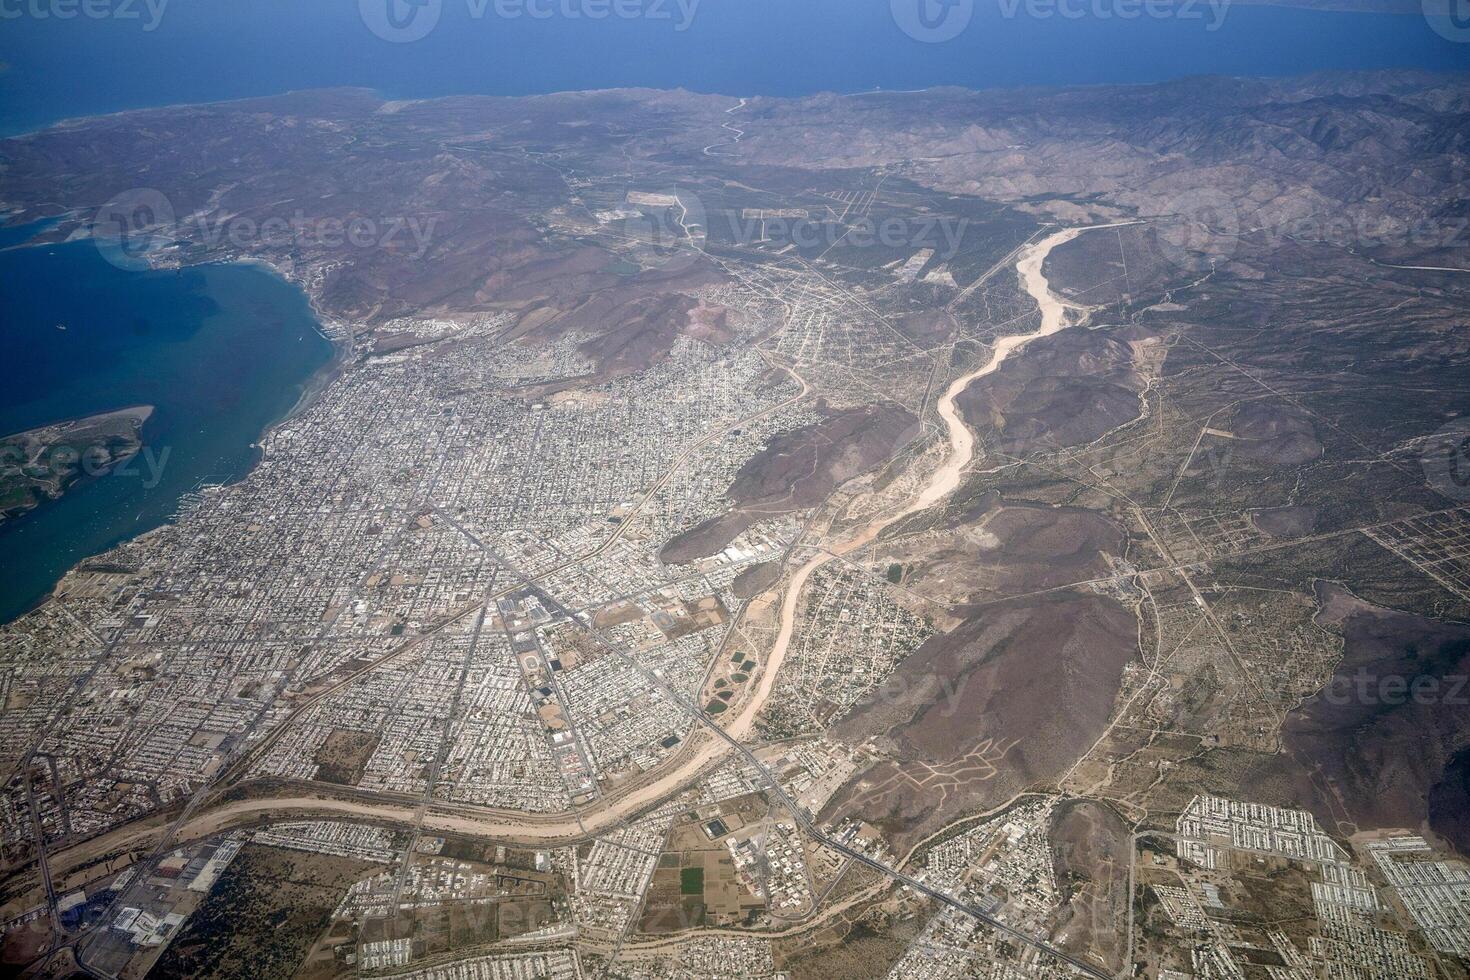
{"x": 221, "y": 351}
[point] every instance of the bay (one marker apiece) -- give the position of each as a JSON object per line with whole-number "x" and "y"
{"x": 222, "y": 352}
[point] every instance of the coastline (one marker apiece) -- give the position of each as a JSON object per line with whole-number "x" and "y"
{"x": 1301, "y": 16}
{"x": 315, "y": 386}
{"x": 163, "y": 510}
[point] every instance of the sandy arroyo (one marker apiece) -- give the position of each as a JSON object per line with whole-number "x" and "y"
{"x": 946, "y": 478}
{"x": 1054, "y": 317}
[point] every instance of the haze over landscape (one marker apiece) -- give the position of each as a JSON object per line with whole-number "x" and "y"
{"x": 172, "y": 51}
{"x": 570, "y": 489}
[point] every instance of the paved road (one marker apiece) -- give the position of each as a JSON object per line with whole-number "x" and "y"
{"x": 810, "y": 827}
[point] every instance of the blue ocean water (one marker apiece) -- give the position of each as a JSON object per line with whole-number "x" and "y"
{"x": 172, "y": 51}
{"x": 221, "y": 351}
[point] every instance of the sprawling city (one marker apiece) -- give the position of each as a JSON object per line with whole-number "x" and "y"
{"x": 924, "y": 535}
